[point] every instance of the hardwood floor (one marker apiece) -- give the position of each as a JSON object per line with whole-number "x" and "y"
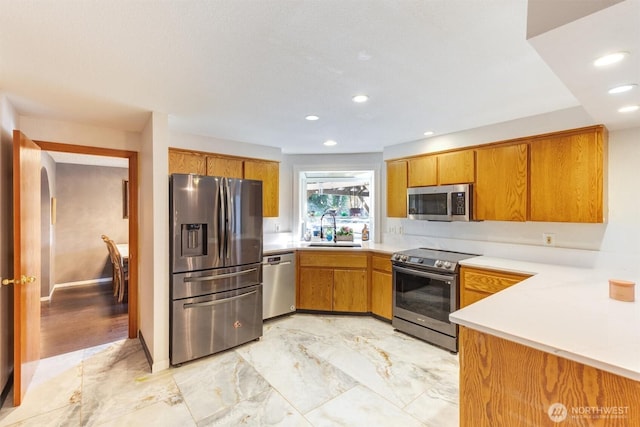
{"x": 79, "y": 317}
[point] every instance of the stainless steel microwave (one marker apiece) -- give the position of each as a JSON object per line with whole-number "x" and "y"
{"x": 440, "y": 203}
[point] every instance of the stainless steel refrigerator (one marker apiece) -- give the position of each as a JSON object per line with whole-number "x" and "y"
{"x": 216, "y": 270}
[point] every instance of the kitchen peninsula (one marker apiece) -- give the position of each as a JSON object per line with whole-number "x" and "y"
{"x": 552, "y": 350}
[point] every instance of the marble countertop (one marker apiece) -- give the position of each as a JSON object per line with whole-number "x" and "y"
{"x": 561, "y": 310}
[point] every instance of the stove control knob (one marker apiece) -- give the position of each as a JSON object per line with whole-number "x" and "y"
{"x": 395, "y": 257}
{"x": 447, "y": 265}
{"x": 438, "y": 264}
{"x": 404, "y": 258}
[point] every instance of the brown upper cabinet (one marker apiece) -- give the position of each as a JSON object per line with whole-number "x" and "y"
{"x": 566, "y": 176}
{"x": 555, "y": 177}
{"x": 268, "y": 173}
{"x": 185, "y": 161}
{"x": 224, "y": 166}
{"x": 397, "y": 188}
{"x": 457, "y": 167}
{"x": 423, "y": 171}
{"x": 501, "y": 183}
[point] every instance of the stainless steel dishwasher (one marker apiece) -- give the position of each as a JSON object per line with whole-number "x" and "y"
{"x": 278, "y": 284}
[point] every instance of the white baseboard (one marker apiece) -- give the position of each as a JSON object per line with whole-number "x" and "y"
{"x": 78, "y": 283}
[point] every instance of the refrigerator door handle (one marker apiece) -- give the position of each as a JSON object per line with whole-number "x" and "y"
{"x": 222, "y": 221}
{"x": 231, "y": 222}
{"x": 216, "y": 302}
{"x": 219, "y": 276}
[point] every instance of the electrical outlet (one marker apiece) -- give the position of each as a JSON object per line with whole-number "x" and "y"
{"x": 400, "y": 230}
{"x": 549, "y": 239}
{"x": 277, "y": 228}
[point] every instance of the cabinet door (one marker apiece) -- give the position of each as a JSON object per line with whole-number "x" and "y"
{"x": 476, "y": 284}
{"x": 225, "y": 166}
{"x": 423, "y": 171}
{"x": 183, "y": 162}
{"x": 566, "y": 177}
{"x": 381, "y": 294}
{"x": 315, "y": 289}
{"x": 350, "y": 290}
{"x": 397, "y": 189}
{"x": 268, "y": 173}
{"x": 457, "y": 168}
{"x": 501, "y": 183}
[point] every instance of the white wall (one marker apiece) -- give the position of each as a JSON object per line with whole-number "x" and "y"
{"x": 154, "y": 240}
{"x": 223, "y": 146}
{"x": 37, "y": 128}
{"x": 8, "y": 120}
{"x": 551, "y": 122}
{"x": 293, "y": 164}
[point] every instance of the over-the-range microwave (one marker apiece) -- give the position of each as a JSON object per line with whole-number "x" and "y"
{"x": 441, "y": 203}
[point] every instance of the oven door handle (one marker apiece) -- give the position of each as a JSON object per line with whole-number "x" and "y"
{"x": 428, "y": 275}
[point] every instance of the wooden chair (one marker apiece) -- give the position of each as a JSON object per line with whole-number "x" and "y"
{"x": 120, "y": 273}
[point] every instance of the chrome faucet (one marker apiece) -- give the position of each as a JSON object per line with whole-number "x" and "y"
{"x": 331, "y": 212}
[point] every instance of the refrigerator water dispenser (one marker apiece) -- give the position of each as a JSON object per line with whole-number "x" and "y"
{"x": 194, "y": 238}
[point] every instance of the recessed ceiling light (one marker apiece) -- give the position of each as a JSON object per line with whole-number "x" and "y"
{"x": 610, "y": 59}
{"x": 629, "y": 109}
{"x": 312, "y": 117}
{"x": 360, "y": 98}
{"x": 330, "y": 143}
{"x": 428, "y": 133}
{"x": 622, "y": 88}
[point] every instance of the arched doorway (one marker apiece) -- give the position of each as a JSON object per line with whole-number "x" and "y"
{"x": 46, "y": 234}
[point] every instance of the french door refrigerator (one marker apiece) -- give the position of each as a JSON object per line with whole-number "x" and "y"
{"x": 216, "y": 270}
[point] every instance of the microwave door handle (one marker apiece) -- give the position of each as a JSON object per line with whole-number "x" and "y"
{"x": 449, "y": 207}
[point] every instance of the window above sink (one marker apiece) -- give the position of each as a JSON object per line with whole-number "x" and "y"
{"x": 348, "y": 193}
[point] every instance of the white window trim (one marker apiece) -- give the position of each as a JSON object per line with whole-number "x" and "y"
{"x": 374, "y": 214}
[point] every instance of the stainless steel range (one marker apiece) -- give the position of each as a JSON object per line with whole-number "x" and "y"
{"x": 425, "y": 291}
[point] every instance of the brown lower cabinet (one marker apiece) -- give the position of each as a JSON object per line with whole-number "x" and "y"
{"x": 503, "y": 383}
{"x": 479, "y": 283}
{"x": 333, "y": 281}
{"x": 381, "y": 286}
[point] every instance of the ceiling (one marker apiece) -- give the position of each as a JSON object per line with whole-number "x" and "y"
{"x": 251, "y": 70}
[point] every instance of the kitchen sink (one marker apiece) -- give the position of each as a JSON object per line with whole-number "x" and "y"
{"x": 334, "y": 245}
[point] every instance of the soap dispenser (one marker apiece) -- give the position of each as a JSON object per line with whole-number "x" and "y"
{"x": 365, "y": 233}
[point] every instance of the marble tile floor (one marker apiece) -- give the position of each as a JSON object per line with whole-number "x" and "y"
{"x": 306, "y": 370}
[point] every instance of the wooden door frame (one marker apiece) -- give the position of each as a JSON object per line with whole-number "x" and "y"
{"x": 132, "y": 156}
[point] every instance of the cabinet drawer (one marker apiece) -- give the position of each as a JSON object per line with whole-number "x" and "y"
{"x": 333, "y": 259}
{"x": 488, "y": 281}
{"x": 382, "y": 263}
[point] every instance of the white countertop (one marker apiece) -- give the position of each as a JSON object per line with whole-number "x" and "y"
{"x": 275, "y": 248}
{"x": 565, "y": 311}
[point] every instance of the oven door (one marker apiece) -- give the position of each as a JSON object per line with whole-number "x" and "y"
{"x": 425, "y": 298}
